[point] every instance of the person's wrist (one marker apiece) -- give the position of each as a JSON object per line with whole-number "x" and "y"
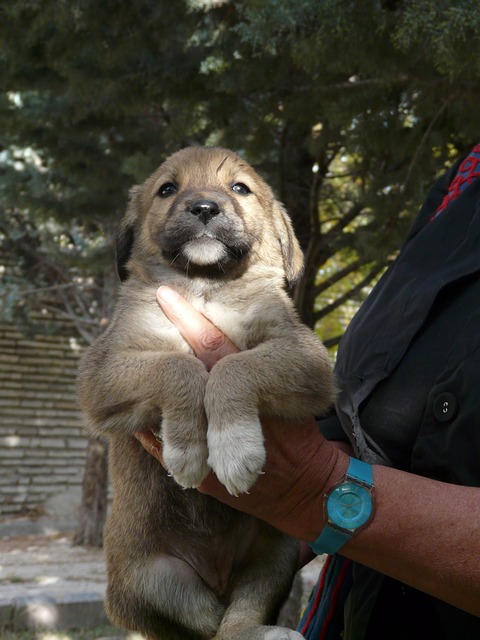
{"x": 324, "y": 465}
{"x": 335, "y": 467}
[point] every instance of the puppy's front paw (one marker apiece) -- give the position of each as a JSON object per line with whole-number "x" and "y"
{"x": 187, "y": 467}
{"x": 236, "y": 453}
{"x": 185, "y": 452}
{"x": 257, "y": 633}
{"x": 280, "y": 633}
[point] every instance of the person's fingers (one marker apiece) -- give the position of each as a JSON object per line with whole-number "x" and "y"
{"x": 150, "y": 443}
{"x": 207, "y": 341}
{"x": 289, "y": 493}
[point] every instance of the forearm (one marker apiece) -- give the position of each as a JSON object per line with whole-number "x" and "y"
{"x": 424, "y": 533}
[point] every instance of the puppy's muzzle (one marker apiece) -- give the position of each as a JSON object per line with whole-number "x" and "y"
{"x": 204, "y": 210}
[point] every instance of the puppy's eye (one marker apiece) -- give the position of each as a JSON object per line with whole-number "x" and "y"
{"x": 167, "y": 189}
{"x": 241, "y": 188}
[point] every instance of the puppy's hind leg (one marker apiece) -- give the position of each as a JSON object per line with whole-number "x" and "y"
{"x": 165, "y": 599}
{"x": 259, "y": 590}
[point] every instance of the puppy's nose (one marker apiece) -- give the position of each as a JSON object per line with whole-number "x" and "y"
{"x": 205, "y": 210}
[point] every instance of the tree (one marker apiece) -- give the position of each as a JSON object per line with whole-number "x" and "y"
{"x": 74, "y": 143}
{"x": 329, "y": 99}
{"x": 351, "y": 93}
{"x": 349, "y": 109}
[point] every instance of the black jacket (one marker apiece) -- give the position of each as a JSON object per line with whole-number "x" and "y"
{"x": 416, "y": 342}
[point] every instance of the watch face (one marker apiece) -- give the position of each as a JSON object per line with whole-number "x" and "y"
{"x": 349, "y": 506}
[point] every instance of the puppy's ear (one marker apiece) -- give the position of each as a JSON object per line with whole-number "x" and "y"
{"x": 291, "y": 252}
{"x": 126, "y": 233}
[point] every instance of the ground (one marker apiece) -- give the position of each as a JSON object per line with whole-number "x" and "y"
{"x": 98, "y": 633}
{"x": 45, "y": 579}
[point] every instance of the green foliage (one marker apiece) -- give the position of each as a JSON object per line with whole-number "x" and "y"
{"x": 443, "y": 34}
{"x": 350, "y": 109}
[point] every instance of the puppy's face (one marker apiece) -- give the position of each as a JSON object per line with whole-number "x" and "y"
{"x": 205, "y": 211}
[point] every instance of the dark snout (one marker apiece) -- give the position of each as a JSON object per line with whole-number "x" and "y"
{"x": 204, "y": 210}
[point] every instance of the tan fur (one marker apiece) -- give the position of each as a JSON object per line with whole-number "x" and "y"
{"x": 181, "y": 565}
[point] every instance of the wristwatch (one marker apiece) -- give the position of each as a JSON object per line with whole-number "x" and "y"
{"x": 348, "y": 507}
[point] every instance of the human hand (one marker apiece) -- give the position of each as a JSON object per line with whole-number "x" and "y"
{"x": 207, "y": 341}
{"x": 300, "y": 462}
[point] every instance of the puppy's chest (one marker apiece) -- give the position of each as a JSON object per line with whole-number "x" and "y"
{"x": 239, "y": 324}
{"x": 246, "y": 320}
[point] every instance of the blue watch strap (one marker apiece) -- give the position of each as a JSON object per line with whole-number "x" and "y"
{"x": 360, "y": 471}
{"x": 330, "y": 541}
{"x": 334, "y": 535}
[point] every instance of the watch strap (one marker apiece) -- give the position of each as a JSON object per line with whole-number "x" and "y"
{"x": 361, "y": 471}
{"x": 330, "y": 541}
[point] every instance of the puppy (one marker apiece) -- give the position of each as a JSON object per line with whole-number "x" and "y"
{"x": 181, "y": 565}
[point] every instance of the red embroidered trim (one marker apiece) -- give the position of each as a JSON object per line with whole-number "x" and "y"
{"x": 467, "y": 172}
{"x": 333, "y": 598}
{"x": 333, "y": 603}
{"x": 318, "y": 595}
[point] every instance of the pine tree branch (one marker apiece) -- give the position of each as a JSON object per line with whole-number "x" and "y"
{"x": 355, "y": 210}
{"x": 442, "y": 108}
{"x": 339, "y": 275}
{"x": 78, "y": 321}
{"x": 332, "y": 342}
{"x": 321, "y": 313}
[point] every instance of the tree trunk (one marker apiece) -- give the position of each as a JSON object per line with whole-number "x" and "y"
{"x": 304, "y": 291}
{"x": 93, "y": 509}
{"x": 295, "y": 169}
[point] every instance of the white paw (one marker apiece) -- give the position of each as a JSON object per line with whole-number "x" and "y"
{"x": 280, "y": 633}
{"x": 188, "y": 466}
{"x": 236, "y": 453}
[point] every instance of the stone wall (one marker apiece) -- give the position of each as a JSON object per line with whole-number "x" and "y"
{"x": 42, "y": 444}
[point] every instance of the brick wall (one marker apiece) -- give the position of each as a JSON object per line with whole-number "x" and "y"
{"x": 42, "y": 444}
